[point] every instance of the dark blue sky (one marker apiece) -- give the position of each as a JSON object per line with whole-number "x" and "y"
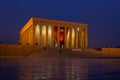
{"x": 102, "y": 16}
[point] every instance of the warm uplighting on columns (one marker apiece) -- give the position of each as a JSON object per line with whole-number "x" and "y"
{"x": 83, "y": 39}
{"x": 49, "y": 35}
{"x": 44, "y": 35}
{"x": 37, "y": 32}
{"x": 78, "y": 29}
{"x": 68, "y": 37}
{"x": 73, "y": 37}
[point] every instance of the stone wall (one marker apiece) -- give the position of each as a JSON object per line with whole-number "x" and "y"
{"x": 112, "y": 51}
{"x": 17, "y": 50}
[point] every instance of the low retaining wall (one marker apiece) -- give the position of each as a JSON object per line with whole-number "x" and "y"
{"x": 112, "y": 51}
{"x": 17, "y": 50}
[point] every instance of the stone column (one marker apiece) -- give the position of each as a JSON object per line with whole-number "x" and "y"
{"x": 25, "y": 37}
{"x": 74, "y": 37}
{"x": 65, "y": 37}
{"x": 81, "y": 38}
{"x": 40, "y": 35}
{"x": 52, "y": 36}
{"x": 70, "y": 36}
{"x": 34, "y": 41}
{"x": 22, "y": 38}
{"x": 58, "y": 36}
{"x": 46, "y": 35}
{"x": 86, "y": 38}
{"x": 76, "y": 33}
{"x": 29, "y": 35}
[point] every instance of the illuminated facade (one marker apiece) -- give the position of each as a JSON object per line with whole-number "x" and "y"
{"x": 54, "y": 33}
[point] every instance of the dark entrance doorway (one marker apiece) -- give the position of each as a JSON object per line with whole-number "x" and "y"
{"x": 62, "y": 29}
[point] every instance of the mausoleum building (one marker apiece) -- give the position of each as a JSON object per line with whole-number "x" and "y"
{"x": 54, "y": 33}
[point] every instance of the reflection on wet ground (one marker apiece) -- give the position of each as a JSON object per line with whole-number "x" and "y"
{"x": 59, "y": 69}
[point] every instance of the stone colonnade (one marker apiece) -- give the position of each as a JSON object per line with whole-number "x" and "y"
{"x": 60, "y": 36}
{"x": 53, "y": 33}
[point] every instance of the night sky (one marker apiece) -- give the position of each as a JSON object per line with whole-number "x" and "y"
{"x": 102, "y": 17}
